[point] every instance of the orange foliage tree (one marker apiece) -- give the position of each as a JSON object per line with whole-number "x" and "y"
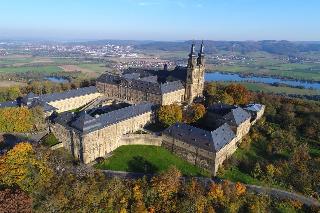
{"x": 20, "y": 167}
{"x": 169, "y": 114}
{"x": 15, "y": 119}
{"x": 15, "y": 200}
{"x": 239, "y": 93}
{"x": 195, "y": 112}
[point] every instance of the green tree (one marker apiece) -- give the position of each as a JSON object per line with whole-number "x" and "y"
{"x": 13, "y": 93}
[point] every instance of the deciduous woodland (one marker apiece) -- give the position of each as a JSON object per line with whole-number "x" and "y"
{"x": 281, "y": 151}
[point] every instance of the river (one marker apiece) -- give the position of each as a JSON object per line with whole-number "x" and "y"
{"x": 218, "y": 76}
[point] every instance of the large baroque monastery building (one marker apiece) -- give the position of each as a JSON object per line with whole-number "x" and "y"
{"x": 120, "y": 105}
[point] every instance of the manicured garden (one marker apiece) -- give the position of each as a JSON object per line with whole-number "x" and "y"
{"x": 147, "y": 159}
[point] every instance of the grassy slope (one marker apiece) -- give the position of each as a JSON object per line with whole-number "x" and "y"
{"x": 261, "y": 87}
{"x": 50, "y": 140}
{"x": 148, "y": 159}
{"x": 281, "y": 89}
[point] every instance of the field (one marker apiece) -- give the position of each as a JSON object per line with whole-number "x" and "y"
{"x": 5, "y": 83}
{"x": 147, "y": 159}
{"x": 20, "y": 69}
{"x": 48, "y": 65}
{"x": 261, "y": 87}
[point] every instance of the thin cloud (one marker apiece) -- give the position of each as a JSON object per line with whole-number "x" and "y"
{"x": 147, "y": 3}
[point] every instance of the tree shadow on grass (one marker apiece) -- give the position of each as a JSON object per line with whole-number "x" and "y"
{"x": 139, "y": 164}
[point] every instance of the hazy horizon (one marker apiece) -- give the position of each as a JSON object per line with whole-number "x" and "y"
{"x": 160, "y": 20}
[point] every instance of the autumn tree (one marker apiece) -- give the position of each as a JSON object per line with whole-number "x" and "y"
{"x": 20, "y": 166}
{"x": 13, "y": 93}
{"x": 165, "y": 186}
{"x": 169, "y": 114}
{"x": 15, "y": 119}
{"x": 210, "y": 89}
{"x": 138, "y": 204}
{"x": 239, "y": 93}
{"x": 194, "y": 113}
{"x": 14, "y": 200}
{"x": 220, "y": 97}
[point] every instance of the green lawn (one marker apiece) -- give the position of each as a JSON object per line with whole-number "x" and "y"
{"x": 94, "y": 67}
{"x": 50, "y": 140}
{"x": 12, "y": 61}
{"x": 235, "y": 175}
{"x": 147, "y": 159}
{"x": 43, "y": 69}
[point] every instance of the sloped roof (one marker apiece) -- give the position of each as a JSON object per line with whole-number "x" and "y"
{"x": 124, "y": 113}
{"x": 222, "y": 136}
{"x": 254, "y": 107}
{"x": 46, "y": 107}
{"x": 8, "y": 104}
{"x": 85, "y": 122}
{"x": 68, "y": 94}
{"x": 211, "y": 141}
{"x": 171, "y": 87}
{"x": 151, "y": 78}
{"x": 146, "y": 84}
{"x": 237, "y": 116}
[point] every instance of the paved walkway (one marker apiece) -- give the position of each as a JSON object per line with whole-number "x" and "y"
{"x": 278, "y": 193}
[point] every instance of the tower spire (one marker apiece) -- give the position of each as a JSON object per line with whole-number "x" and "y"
{"x": 200, "y": 60}
{"x": 192, "y": 52}
{"x": 202, "y": 48}
{"x": 192, "y": 61}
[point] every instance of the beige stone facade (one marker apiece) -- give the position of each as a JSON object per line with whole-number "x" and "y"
{"x": 173, "y": 97}
{"x": 99, "y": 143}
{"x": 73, "y": 102}
{"x": 193, "y": 154}
{"x": 125, "y": 93}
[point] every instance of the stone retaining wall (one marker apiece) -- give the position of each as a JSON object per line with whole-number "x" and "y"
{"x": 140, "y": 139}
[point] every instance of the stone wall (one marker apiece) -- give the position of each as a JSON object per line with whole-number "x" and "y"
{"x": 173, "y": 97}
{"x": 101, "y": 142}
{"x": 70, "y": 139}
{"x": 243, "y": 129}
{"x": 74, "y": 103}
{"x": 128, "y": 94}
{"x": 225, "y": 153}
{"x": 192, "y": 154}
{"x": 259, "y": 114}
{"x": 140, "y": 139}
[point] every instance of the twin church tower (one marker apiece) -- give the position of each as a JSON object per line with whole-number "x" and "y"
{"x": 195, "y": 74}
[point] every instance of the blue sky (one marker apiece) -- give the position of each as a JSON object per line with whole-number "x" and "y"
{"x": 161, "y": 19}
